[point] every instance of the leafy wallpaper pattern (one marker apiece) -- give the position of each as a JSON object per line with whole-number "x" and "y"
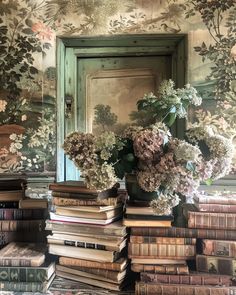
{"x": 28, "y": 30}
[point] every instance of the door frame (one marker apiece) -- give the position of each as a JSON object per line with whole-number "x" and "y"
{"x": 70, "y": 48}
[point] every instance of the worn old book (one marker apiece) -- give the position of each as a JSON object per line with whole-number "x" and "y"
{"x": 142, "y": 288}
{"x": 30, "y": 203}
{"x": 33, "y": 287}
{"x": 162, "y": 251}
{"x": 97, "y": 274}
{"x": 211, "y": 220}
{"x": 218, "y": 208}
{"x": 220, "y": 234}
{"x": 191, "y": 279}
{"x": 218, "y": 248}
{"x": 217, "y": 198}
{"x": 139, "y": 210}
{"x": 91, "y": 209}
{"x": 80, "y": 188}
{"x": 85, "y": 242}
{"x": 162, "y": 240}
{"x": 157, "y": 261}
{"x": 9, "y": 205}
{"x": 119, "y": 265}
{"x": 216, "y": 264}
{"x": 90, "y": 281}
{"x": 176, "y": 269}
{"x": 84, "y": 253}
{"x": 22, "y": 225}
{"x": 10, "y": 184}
{"x": 27, "y": 274}
{"x": 76, "y": 212}
{"x": 64, "y": 218}
{"x": 145, "y": 223}
{"x": 149, "y": 217}
{"x": 22, "y": 254}
{"x": 62, "y": 201}
{"x": 114, "y": 229}
{"x": 11, "y": 195}
{"x": 23, "y": 214}
{"x": 14, "y": 236}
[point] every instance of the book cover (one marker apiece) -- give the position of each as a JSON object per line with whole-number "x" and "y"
{"x": 22, "y": 254}
{"x": 226, "y": 199}
{"x": 30, "y": 203}
{"x": 22, "y": 225}
{"x": 23, "y": 214}
{"x": 59, "y": 200}
{"x": 218, "y": 208}
{"x": 149, "y": 217}
{"x": 158, "y": 261}
{"x": 145, "y": 223}
{"x": 216, "y": 265}
{"x": 212, "y": 220}
{"x": 162, "y": 251}
{"x": 11, "y": 195}
{"x": 162, "y": 240}
{"x": 218, "y": 248}
{"x": 119, "y": 265}
{"x": 92, "y": 209}
{"x": 9, "y": 205}
{"x": 218, "y": 234}
{"x": 175, "y": 269}
{"x": 142, "y": 288}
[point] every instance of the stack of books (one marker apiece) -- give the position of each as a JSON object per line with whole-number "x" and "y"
{"x": 87, "y": 235}
{"x": 23, "y": 268}
{"x": 20, "y": 221}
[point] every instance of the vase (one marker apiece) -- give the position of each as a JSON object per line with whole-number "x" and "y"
{"x": 135, "y": 192}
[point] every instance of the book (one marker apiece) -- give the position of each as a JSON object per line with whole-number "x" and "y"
{"x": 175, "y": 269}
{"x": 27, "y": 274}
{"x": 219, "y": 208}
{"x": 139, "y": 210}
{"x": 142, "y": 288}
{"x": 119, "y": 265}
{"x": 162, "y": 251}
{"x": 217, "y": 198}
{"x": 23, "y": 214}
{"x": 83, "y": 242}
{"x": 11, "y": 196}
{"x": 216, "y": 264}
{"x": 83, "y": 253}
{"x": 70, "y": 219}
{"x": 191, "y": 279}
{"x": 162, "y": 240}
{"x": 218, "y": 248}
{"x": 35, "y": 236}
{"x": 211, "y": 220}
{"x": 149, "y": 217}
{"x": 113, "y": 229}
{"x": 22, "y": 254}
{"x": 71, "y": 186}
{"x": 11, "y": 184}
{"x": 11, "y": 204}
{"x": 30, "y": 203}
{"x": 97, "y": 274}
{"x": 145, "y": 223}
{"x": 59, "y": 200}
{"x": 22, "y": 225}
{"x": 75, "y": 212}
{"x": 91, "y": 209}
{"x": 157, "y": 261}
{"x": 219, "y": 234}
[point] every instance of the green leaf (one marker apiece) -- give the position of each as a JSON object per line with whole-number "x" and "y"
{"x": 190, "y": 166}
{"x": 170, "y": 119}
{"x": 208, "y": 181}
{"x": 27, "y": 31}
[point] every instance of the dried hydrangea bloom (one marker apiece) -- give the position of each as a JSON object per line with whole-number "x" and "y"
{"x": 187, "y": 152}
{"x": 149, "y": 181}
{"x": 195, "y": 134}
{"x": 220, "y": 146}
{"x": 131, "y": 131}
{"x": 204, "y": 169}
{"x": 221, "y": 168}
{"x": 164, "y": 203}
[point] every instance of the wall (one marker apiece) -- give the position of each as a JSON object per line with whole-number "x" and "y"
{"x": 28, "y": 31}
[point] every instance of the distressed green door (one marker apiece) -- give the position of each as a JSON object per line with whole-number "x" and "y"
{"x": 108, "y": 73}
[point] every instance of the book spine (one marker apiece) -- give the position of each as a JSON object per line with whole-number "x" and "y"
{"x": 22, "y": 225}
{"x": 9, "y": 205}
{"x": 66, "y": 261}
{"x": 215, "y": 265}
{"x": 162, "y": 250}
{"x": 219, "y": 208}
{"x": 58, "y": 201}
{"x": 142, "y": 288}
{"x": 23, "y": 274}
{"x": 161, "y": 269}
{"x": 219, "y": 234}
{"x": 79, "y": 244}
{"x": 14, "y": 262}
{"x": 214, "y": 280}
{"x": 22, "y": 214}
{"x": 224, "y": 200}
{"x": 22, "y": 286}
{"x": 211, "y": 220}
{"x": 218, "y": 248}
{"x": 106, "y": 273}
{"x": 162, "y": 240}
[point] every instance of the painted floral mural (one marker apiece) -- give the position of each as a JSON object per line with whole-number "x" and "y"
{"x": 28, "y": 30}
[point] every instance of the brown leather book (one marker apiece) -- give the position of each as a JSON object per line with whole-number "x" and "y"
{"x": 216, "y": 265}
{"x": 62, "y": 201}
{"x": 218, "y": 248}
{"x": 191, "y": 279}
{"x": 220, "y": 234}
{"x": 211, "y": 220}
{"x": 22, "y": 225}
{"x": 223, "y": 198}
{"x": 13, "y": 196}
{"x": 161, "y": 251}
{"x": 219, "y": 208}
{"x": 162, "y": 269}
{"x": 142, "y": 288}
{"x": 118, "y": 265}
{"x": 162, "y": 240}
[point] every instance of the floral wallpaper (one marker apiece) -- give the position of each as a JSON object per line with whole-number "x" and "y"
{"x": 28, "y": 30}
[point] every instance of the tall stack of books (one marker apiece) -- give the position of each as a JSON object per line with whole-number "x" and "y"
{"x": 88, "y": 235}
{"x": 19, "y": 221}
{"x": 23, "y": 268}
